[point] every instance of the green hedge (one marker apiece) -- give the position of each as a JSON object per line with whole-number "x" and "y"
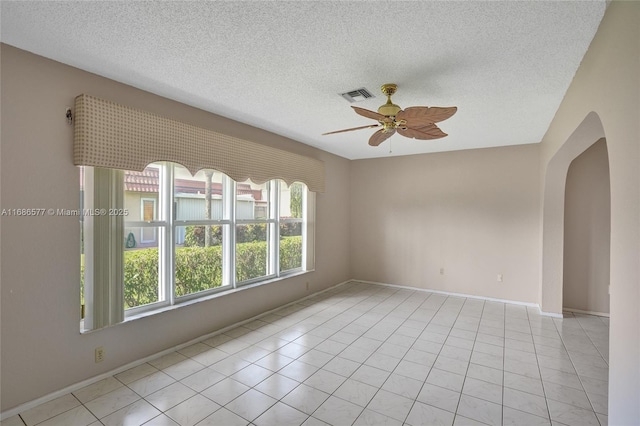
{"x": 200, "y": 268}
{"x": 140, "y": 274}
{"x": 197, "y": 269}
{"x": 195, "y": 234}
{"x": 290, "y": 253}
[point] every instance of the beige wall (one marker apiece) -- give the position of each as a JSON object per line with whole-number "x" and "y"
{"x": 473, "y": 213}
{"x": 587, "y": 231}
{"x": 603, "y": 101}
{"x": 42, "y": 348}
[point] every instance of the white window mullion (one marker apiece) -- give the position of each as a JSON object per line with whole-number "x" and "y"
{"x": 308, "y": 230}
{"x": 274, "y": 227}
{"x": 229, "y": 237}
{"x": 167, "y": 245}
{"x": 143, "y": 203}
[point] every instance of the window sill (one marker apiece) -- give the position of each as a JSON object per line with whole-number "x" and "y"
{"x": 201, "y": 299}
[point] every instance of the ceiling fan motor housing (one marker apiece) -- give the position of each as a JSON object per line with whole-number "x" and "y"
{"x": 389, "y": 109}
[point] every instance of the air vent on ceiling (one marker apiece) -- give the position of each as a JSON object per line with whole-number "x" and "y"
{"x": 357, "y": 95}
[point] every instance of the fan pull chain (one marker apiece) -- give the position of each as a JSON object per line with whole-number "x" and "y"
{"x": 389, "y": 146}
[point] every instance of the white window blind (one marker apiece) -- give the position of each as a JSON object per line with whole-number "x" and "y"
{"x": 103, "y": 248}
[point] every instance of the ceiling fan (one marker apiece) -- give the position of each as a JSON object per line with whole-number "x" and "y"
{"x": 416, "y": 122}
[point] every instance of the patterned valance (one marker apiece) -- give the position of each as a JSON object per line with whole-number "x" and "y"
{"x": 115, "y": 136}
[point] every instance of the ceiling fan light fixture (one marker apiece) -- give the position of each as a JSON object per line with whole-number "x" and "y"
{"x": 388, "y": 126}
{"x": 417, "y": 122}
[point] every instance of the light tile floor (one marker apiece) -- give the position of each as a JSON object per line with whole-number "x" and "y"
{"x": 364, "y": 354}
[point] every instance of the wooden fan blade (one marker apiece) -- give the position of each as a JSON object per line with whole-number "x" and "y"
{"x": 430, "y": 131}
{"x": 369, "y": 114}
{"x": 353, "y": 128}
{"x": 424, "y": 115}
{"x": 378, "y": 137}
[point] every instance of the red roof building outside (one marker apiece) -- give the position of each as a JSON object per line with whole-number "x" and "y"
{"x": 148, "y": 181}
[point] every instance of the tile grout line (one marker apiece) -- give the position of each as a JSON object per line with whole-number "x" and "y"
{"x": 356, "y": 296}
{"x": 437, "y": 355}
{"x": 390, "y": 373}
{"x": 579, "y": 376}
{"x": 535, "y": 351}
{"x": 592, "y": 342}
{"x": 275, "y": 351}
{"x": 336, "y": 355}
{"x": 141, "y": 397}
{"x": 469, "y": 363}
{"x": 362, "y": 335}
{"x": 386, "y": 315}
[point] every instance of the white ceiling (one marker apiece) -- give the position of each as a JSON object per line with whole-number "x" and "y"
{"x": 280, "y": 65}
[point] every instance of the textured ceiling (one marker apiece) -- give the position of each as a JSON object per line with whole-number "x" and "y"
{"x": 280, "y": 65}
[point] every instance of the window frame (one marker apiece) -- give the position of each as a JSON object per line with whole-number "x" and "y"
{"x": 303, "y": 234}
{"x": 270, "y": 271}
{"x": 166, "y": 224}
{"x": 142, "y": 219}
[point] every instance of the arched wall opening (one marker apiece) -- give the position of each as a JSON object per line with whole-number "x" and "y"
{"x": 587, "y": 233}
{"x": 588, "y": 132}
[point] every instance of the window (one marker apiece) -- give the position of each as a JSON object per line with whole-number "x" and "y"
{"x": 149, "y": 214}
{"x": 254, "y": 230}
{"x": 203, "y": 222}
{"x": 171, "y": 237}
{"x": 291, "y": 222}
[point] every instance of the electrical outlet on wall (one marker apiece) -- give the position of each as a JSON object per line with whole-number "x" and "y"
{"x": 99, "y": 354}
{"x": 499, "y": 278}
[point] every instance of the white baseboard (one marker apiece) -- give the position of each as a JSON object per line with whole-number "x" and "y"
{"x": 450, "y": 293}
{"x": 76, "y": 386}
{"x": 470, "y": 296}
{"x": 579, "y": 311}
{"x": 550, "y": 314}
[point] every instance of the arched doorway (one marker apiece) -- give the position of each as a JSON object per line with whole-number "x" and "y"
{"x": 587, "y": 233}
{"x": 586, "y": 134}
{"x": 572, "y": 244}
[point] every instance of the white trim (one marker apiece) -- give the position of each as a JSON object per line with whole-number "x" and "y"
{"x": 49, "y": 397}
{"x": 448, "y": 293}
{"x": 155, "y": 230}
{"x": 229, "y": 196}
{"x": 167, "y": 240}
{"x": 273, "y": 228}
{"x": 580, "y": 311}
{"x": 550, "y": 314}
{"x": 471, "y": 296}
{"x": 308, "y": 230}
